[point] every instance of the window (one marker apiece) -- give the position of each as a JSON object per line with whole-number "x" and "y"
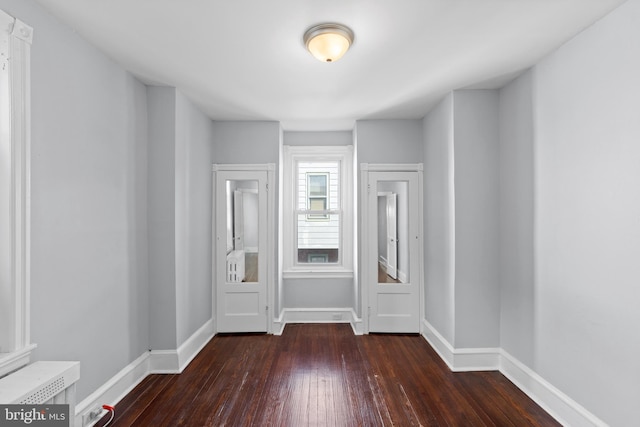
{"x": 317, "y": 195}
{"x": 317, "y": 233}
{"x": 15, "y": 41}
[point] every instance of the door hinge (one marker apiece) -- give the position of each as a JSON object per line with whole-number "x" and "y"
{"x": 267, "y": 185}
{"x": 369, "y": 314}
{"x": 368, "y": 188}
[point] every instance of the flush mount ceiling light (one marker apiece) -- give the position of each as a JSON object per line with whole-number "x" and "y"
{"x": 328, "y": 42}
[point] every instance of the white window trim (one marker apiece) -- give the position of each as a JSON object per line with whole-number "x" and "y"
{"x": 293, "y": 154}
{"x": 16, "y": 38}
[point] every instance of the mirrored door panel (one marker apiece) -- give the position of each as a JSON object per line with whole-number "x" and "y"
{"x": 393, "y": 232}
{"x": 242, "y": 214}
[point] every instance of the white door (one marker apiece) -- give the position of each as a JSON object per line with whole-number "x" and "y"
{"x": 241, "y": 272}
{"x": 394, "y": 292}
{"x": 392, "y": 235}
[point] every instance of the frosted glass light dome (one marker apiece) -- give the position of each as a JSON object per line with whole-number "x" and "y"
{"x": 328, "y": 42}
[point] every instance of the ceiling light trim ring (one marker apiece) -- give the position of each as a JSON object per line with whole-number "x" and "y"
{"x": 327, "y": 29}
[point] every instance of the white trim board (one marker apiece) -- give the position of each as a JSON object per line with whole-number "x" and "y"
{"x": 560, "y": 406}
{"x": 15, "y": 193}
{"x": 189, "y": 349}
{"x": 318, "y": 315}
{"x": 150, "y": 362}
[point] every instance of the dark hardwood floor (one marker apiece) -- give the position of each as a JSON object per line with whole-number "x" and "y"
{"x": 324, "y": 375}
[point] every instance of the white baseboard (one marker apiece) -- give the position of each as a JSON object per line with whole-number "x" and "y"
{"x": 196, "y": 342}
{"x": 461, "y": 359}
{"x": 564, "y": 409}
{"x": 317, "y": 315}
{"x": 163, "y": 362}
{"x": 560, "y": 406}
{"x": 115, "y": 388}
{"x": 151, "y": 362}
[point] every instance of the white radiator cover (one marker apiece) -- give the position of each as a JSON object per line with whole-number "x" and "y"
{"x": 42, "y": 383}
{"x": 235, "y": 266}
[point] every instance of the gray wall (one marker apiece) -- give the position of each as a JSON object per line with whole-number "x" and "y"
{"x": 88, "y": 205}
{"x": 318, "y": 138}
{"x": 461, "y": 215}
{"x": 439, "y": 219}
{"x": 389, "y": 141}
{"x": 477, "y": 292}
{"x": 162, "y": 217}
{"x": 517, "y": 296}
{"x": 587, "y": 205}
{"x": 194, "y": 189}
{"x": 317, "y": 293}
{"x": 180, "y": 197}
{"x": 246, "y": 142}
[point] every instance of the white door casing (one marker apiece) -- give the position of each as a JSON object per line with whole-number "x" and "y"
{"x": 393, "y": 307}
{"x": 243, "y": 306}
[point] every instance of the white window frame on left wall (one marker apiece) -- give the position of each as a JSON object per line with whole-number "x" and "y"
{"x": 15, "y": 134}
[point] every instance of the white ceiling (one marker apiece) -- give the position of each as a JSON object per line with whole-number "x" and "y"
{"x": 245, "y": 60}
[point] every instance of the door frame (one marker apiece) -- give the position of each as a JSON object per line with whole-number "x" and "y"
{"x": 270, "y": 169}
{"x": 367, "y": 218}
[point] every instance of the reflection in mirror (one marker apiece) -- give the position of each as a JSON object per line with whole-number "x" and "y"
{"x": 393, "y": 232}
{"x": 318, "y": 230}
{"x": 242, "y": 231}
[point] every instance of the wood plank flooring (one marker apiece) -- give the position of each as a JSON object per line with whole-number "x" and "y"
{"x": 324, "y": 375}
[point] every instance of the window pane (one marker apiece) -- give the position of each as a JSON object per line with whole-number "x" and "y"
{"x": 318, "y": 241}
{"x": 317, "y": 204}
{"x": 317, "y": 185}
{"x": 316, "y": 180}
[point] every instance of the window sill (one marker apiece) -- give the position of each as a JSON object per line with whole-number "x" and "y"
{"x": 10, "y": 362}
{"x": 310, "y": 273}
